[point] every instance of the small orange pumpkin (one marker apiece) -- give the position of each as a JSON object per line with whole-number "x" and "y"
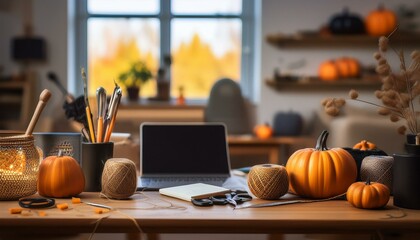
{"x": 348, "y": 67}
{"x": 328, "y": 71}
{"x": 380, "y": 22}
{"x": 368, "y": 195}
{"x": 365, "y": 145}
{"x": 263, "y": 131}
{"x": 321, "y": 172}
{"x": 60, "y": 176}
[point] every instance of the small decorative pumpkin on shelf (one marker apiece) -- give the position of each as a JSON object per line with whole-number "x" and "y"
{"x": 368, "y": 195}
{"x": 60, "y": 176}
{"x": 263, "y": 131}
{"x": 380, "y": 22}
{"x": 321, "y": 172}
{"x": 348, "y": 67}
{"x": 328, "y": 71}
{"x": 361, "y": 150}
{"x": 346, "y": 23}
{"x": 343, "y": 67}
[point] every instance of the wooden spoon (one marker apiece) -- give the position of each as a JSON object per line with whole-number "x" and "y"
{"x": 43, "y": 99}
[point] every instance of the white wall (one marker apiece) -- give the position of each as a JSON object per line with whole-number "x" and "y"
{"x": 49, "y": 19}
{"x": 286, "y": 16}
{"x": 291, "y": 16}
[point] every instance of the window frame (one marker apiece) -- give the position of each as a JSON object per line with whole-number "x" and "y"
{"x": 247, "y": 16}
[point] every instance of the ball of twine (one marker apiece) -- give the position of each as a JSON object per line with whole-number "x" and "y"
{"x": 377, "y": 169}
{"x": 268, "y": 181}
{"x": 119, "y": 178}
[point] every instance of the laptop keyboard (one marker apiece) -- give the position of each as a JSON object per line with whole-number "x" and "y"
{"x": 162, "y": 182}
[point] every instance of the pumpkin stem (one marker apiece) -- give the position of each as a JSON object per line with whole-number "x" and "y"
{"x": 60, "y": 153}
{"x": 321, "y": 143}
{"x": 368, "y": 180}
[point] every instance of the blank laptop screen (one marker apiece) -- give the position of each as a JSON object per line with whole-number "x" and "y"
{"x": 184, "y": 149}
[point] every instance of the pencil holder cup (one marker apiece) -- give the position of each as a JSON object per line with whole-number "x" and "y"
{"x": 94, "y": 156}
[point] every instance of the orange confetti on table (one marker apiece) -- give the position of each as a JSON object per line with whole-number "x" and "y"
{"x": 15, "y": 210}
{"x": 75, "y": 200}
{"x": 62, "y": 206}
{"x": 101, "y": 210}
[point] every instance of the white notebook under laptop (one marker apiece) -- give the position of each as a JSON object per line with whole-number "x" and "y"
{"x": 174, "y": 154}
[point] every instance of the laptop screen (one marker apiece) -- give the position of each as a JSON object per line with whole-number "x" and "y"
{"x": 183, "y": 149}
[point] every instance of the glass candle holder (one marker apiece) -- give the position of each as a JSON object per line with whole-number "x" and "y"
{"x": 19, "y": 162}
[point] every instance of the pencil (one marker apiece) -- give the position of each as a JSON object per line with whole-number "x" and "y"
{"x": 109, "y": 130}
{"x": 101, "y": 101}
{"x": 100, "y": 129}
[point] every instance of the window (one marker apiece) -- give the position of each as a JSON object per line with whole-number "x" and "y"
{"x": 205, "y": 41}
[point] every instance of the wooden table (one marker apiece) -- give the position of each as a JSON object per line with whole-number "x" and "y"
{"x": 159, "y": 214}
{"x": 277, "y": 149}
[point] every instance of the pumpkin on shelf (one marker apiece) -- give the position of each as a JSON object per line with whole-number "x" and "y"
{"x": 380, "y": 22}
{"x": 368, "y": 195}
{"x": 321, "y": 172}
{"x": 343, "y": 67}
{"x": 348, "y": 67}
{"x": 263, "y": 131}
{"x": 60, "y": 176}
{"x": 328, "y": 71}
{"x": 346, "y": 23}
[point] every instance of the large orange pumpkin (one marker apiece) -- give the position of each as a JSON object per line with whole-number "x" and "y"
{"x": 321, "y": 172}
{"x": 328, "y": 71}
{"x": 368, "y": 195}
{"x": 60, "y": 176}
{"x": 380, "y": 22}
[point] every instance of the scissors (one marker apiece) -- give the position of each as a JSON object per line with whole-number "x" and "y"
{"x": 36, "y": 202}
{"x": 232, "y": 198}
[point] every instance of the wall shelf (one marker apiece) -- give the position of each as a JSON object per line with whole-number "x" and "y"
{"x": 16, "y": 102}
{"x": 324, "y": 40}
{"x": 317, "y": 84}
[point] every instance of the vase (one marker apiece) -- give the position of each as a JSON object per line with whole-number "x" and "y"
{"x": 406, "y": 178}
{"x": 133, "y": 93}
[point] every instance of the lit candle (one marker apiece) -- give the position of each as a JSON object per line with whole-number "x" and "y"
{"x": 12, "y": 161}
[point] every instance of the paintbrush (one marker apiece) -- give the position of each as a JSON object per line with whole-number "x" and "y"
{"x": 88, "y": 112}
{"x": 53, "y": 78}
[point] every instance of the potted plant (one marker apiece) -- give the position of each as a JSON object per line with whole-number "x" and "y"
{"x": 398, "y": 97}
{"x": 134, "y": 78}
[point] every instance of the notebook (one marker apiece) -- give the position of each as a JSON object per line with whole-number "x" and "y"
{"x": 174, "y": 154}
{"x": 196, "y": 190}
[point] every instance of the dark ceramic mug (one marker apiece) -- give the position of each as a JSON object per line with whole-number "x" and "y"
{"x": 94, "y": 156}
{"x": 406, "y": 181}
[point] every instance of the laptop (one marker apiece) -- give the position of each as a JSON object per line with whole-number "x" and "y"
{"x": 174, "y": 154}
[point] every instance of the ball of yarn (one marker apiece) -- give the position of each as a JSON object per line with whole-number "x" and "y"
{"x": 268, "y": 181}
{"x": 377, "y": 169}
{"x": 119, "y": 178}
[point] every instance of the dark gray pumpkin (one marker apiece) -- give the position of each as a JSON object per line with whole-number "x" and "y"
{"x": 287, "y": 124}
